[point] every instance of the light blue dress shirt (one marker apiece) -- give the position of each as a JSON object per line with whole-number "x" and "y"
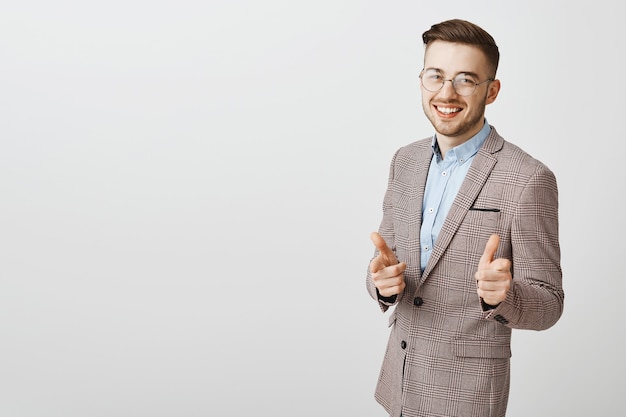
{"x": 445, "y": 177}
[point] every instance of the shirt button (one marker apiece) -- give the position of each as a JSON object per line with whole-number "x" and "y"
{"x": 417, "y": 301}
{"x": 403, "y": 344}
{"x": 444, "y": 173}
{"x": 430, "y": 210}
{"x": 426, "y": 248}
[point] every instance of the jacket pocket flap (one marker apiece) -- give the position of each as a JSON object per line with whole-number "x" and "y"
{"x": 481, "y": 348}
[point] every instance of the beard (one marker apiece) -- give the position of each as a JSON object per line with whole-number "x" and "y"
{"x": 470, "y": 122}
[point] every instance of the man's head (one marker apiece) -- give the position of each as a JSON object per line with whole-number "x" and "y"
{"x": 458, "y": 79}
{"x": 464, "y": 32}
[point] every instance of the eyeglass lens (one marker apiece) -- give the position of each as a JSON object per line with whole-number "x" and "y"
{"x": 463, "y": 84}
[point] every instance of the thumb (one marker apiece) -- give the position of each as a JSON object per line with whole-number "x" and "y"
{"x": 388, "y": 255}
{"x": 490, "y": 251}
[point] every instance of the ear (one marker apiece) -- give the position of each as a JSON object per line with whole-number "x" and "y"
{"x": 492, "y": 92}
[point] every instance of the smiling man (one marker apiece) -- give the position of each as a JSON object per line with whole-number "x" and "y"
{"x": 468, "y": 246}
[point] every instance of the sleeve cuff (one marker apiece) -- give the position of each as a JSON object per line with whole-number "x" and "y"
{"x": 387, "y": 300}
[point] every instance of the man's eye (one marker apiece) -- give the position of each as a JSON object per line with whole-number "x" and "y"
{"x": 465, "y": 81}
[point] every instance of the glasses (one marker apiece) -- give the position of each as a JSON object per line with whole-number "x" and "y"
{"x": 463, "y": 84}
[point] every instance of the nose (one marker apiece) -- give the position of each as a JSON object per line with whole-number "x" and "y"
{"x": 447, "y": 89}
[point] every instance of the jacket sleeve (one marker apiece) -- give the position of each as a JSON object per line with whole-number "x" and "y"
{"x": 386, "y": 230}
{"x": 535, "y": 300}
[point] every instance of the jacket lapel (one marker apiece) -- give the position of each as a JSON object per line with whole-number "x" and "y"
{"x": 423, "y": 158}
{"x": 474, "y": 181}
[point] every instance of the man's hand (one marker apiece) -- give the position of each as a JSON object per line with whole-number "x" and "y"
{"x": 493, "y": 277}
{"x": 387, "y": 273}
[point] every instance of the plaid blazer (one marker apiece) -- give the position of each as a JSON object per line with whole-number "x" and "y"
{"x": 447, "y": 355}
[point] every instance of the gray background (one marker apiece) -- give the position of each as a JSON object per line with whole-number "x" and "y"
{"x": 187, "y": 191}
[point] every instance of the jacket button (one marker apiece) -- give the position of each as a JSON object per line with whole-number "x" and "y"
{"x": 403, "y": 344}
{"x": 417, "y": 301}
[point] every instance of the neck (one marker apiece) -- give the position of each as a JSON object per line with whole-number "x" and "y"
{"x": 448, "y": 142}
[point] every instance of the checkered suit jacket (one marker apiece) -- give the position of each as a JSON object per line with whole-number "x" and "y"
{"x": 448, "y": 355}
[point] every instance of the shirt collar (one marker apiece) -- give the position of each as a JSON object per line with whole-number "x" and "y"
{"x": 467, "y": 149}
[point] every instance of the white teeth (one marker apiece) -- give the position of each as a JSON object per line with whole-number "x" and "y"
{"x": 448, "y": 110}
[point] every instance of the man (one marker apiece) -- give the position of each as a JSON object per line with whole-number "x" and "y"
{"x": 468, "y": 245}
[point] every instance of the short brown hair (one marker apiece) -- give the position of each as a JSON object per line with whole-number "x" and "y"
{"x": 462, "y": 31}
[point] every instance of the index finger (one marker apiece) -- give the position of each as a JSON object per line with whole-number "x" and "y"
{"x": 382, "y": 247}
{"x": 490, "y": 251}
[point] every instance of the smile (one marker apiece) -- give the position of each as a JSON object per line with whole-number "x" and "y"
{"x": 448, "y": 110}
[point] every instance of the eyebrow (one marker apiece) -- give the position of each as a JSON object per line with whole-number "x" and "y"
{"x": 455, "y": 75}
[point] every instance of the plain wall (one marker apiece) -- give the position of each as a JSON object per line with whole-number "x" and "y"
{"x": 187, "y": 190}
